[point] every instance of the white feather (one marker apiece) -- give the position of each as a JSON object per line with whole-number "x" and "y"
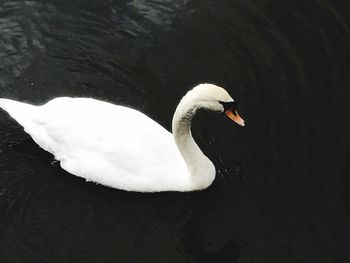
{"x": 121, "y": 147}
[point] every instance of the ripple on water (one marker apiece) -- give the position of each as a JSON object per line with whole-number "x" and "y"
{"x": 283, "y": 61}
{"x": 37, "y": 221}
{"x": 75, "y": 44}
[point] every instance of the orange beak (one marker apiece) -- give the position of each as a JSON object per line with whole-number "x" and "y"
{"x": 235, "y": 117}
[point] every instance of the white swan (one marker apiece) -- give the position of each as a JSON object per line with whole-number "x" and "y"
{"x": 121, "y": 147}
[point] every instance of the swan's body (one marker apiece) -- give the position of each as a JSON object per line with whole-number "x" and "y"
{"x": 118, "y": 146}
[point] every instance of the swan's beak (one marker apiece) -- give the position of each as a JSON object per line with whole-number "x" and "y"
{"x": 235, "y": 117}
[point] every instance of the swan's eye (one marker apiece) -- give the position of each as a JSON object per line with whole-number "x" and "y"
{"x": 232, "y": 105}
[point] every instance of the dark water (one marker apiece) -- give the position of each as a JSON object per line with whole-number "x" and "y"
{"x": 282, "y": 188}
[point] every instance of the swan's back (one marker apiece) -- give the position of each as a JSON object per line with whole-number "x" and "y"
{"x": 105, "y": 143}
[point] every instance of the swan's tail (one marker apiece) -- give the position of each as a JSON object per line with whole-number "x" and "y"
{"x": 21, "y": 112}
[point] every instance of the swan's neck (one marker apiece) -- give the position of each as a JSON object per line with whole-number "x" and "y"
{"x": 201, "y": 169}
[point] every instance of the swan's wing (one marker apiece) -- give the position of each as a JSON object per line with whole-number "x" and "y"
{"x": 92, "y": 125}
{"x": 108, "y": 144}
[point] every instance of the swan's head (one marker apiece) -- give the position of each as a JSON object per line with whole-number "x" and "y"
{"x": 215, "y": 98}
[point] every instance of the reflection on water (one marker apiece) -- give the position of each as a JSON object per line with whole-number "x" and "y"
{"x": 281, "y": 189}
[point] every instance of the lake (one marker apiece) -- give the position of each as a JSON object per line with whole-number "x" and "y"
{"x": 281, "y": 192}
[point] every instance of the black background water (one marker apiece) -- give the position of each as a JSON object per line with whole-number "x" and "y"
{"x": 282, "y": 189}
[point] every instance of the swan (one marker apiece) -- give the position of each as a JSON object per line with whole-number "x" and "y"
{"x": 122, "y": 148}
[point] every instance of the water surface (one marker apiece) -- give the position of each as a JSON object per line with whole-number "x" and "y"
{"x": 281, "y": 192}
